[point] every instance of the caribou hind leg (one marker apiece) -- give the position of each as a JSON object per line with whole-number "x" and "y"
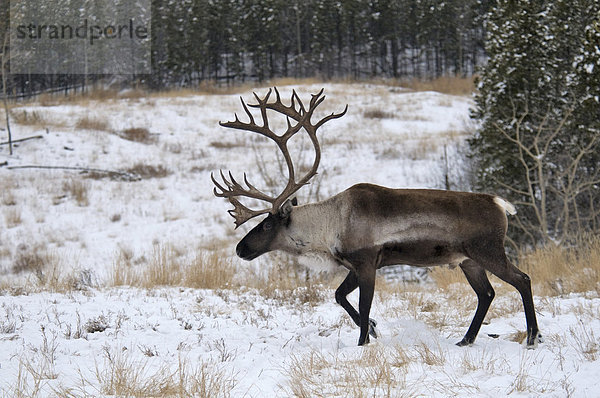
{"x": 348, "y": 286}
{"x": 494, "y": 260}
{"x": 478, "y": 280}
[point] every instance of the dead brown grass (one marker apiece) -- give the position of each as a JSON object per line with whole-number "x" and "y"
{"x": 12, "y": 216}
{"x": 444, "y": 277}
{"x": 90, "y": 123}
{"x": 42, "y": 270}
{"x": 146, "y": 171}
{"x": 447, "y": 85}
{"x": 167, "y": 267}
{"x": 124, "y": 377}
{"x": 138, "y": 134}
{"x": 78, "y": 190}
{"x": 452, "y": 85}
{"x": 293, "y": 284}
{"x": 293, "y": 81}
{"x": 381, "y": 371}
{"x": 558, "y": 270}
{"x": 84, "y": 98}
{"x": 29, "y": 260}
{"x": 378, "y": 114}
{"x": 28, "y": 118}
{"x": 227, "y": 144}
{"x": 554, "y": 269}
{"x": 287, "y": 283}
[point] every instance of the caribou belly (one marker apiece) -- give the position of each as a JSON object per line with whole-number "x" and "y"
{"x": 422, "y": 242}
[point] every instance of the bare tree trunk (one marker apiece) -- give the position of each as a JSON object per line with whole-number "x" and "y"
{"x": 4, "y": 96}
{"x": 7, "y": 114}
{"x": 548, "y": 183}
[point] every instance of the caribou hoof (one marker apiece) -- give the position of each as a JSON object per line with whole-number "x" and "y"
{"x": 532, "y": 341}
{"x": 373, "y": 332}
{"x": 465, "y": 343}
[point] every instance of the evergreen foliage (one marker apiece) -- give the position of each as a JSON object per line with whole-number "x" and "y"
{"x": 539, "y": 114}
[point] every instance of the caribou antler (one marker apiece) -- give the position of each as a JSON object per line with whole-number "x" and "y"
{"x": 298, "y": 117}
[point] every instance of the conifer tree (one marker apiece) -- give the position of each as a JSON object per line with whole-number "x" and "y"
{"x": 536, "y": 144}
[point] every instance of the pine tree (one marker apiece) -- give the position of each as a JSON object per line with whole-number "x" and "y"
{"x": 534, "y": 142}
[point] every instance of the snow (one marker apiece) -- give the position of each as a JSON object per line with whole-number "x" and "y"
{"x": 257, "y": 345}
{"x": 256, "y": 341}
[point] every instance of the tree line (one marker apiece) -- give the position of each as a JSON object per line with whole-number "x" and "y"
{"x": 234, "y": 41}
{"x": 258, "y": 40}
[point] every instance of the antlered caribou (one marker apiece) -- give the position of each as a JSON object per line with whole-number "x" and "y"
{"x": 367, "y": 227}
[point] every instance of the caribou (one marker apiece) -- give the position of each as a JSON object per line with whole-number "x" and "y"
{"x": 367, "y": 226}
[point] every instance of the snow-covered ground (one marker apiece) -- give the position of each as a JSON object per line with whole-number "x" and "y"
{"x": 99, "y": 340}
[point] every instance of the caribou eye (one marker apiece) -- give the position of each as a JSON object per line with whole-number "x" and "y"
{"x": 268, "y": 226}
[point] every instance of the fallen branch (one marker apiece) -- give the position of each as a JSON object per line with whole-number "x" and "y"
{"x": 22, "y": 139}
{"x": 111, "y": 173}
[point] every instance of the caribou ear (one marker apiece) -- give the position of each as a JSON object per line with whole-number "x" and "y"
{"x": 294, "y": 201}
{"x": 286, "y": 209}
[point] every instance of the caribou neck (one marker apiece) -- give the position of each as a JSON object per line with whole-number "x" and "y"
{"x": 313, "y": 228}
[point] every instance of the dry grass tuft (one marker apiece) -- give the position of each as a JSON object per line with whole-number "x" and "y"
{"x": 558, "y": 270}
{"x": 12, "y": 216}
{"x": 78, "y": 190}
{"x": 518, "y": 336}
{"x": 43, "y": 271}
{"x": 378, "y": 114}
{"x": 28, "y": 118}
{"x": 453, "y": 85}
{"x": 292, "y": 284}
{"x": 138, "y": 134}
{"x": 293, "y": 81}
{"x": 585, "y": 342}
{"x": 88, "y": 123}
{"x": 8, "y": 197}
{"x": 444, "y": 277}
{"x": 146, "y": 171}
{"x": 227, "y": 144}
{"x": 166, "y": 267}
{"x": 29, "y": 260}
{"x": 122, "y": 376}
{"x": 380, "y": 370}
{"x": 554, "y": 270}
{"x": 210, "y": 270}
{"x": 98, "y": 94}
{"x": 287, "y": 283}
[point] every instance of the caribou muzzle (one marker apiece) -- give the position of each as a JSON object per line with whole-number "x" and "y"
{"x": 245, "y": 253}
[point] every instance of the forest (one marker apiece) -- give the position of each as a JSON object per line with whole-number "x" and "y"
{"x": 233, "y": 41}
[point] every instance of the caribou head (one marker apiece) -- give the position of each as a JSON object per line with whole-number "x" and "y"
{"x": 263, "y": 238}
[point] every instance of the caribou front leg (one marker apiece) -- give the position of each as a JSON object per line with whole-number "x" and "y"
{"x": 348, "y": 286}
{"x": 366, "y": 285}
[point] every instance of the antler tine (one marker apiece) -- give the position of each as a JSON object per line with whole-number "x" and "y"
{"x": 263, "y": 108}
{"x": 302, "y": 109}
{"x": 261, "y": 101}
{"x": 247, "y": 111}
{"x": 332, "y": 116}
{"x": 252, "y": 187}
{"x": 217, "y": 186}
{"x": 234, "y": 188}
{"x": 278, "y": 99}
{"x": 315, "y": 99}
{"x": 241, "y": 213}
